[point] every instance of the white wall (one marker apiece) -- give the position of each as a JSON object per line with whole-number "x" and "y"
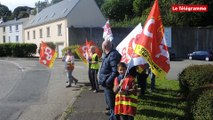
{"x": 12, "y": 34}
{"x": 53, "y": 34}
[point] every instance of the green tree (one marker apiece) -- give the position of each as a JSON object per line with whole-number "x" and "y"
{"x": 139, "y": 6}
{"x": 41, "y": 5}
{"x": 21, "y": 12}
{"x": 5, "y": 12}
{"x": 117, "y": 10}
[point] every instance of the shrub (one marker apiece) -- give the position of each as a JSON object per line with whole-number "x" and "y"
{"x": 2, "y": 52}
{"x": 72, "y": 48}
{"x": 193, "y": 98}
{"x": 17, "y": 49}
{"x": 203, "y": 108}
{"x": 195, "y": 76}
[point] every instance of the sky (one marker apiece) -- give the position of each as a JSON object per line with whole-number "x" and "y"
{"x": 12, "y": 4}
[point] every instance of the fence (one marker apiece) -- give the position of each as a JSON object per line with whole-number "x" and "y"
{"x": 184, "y": 39}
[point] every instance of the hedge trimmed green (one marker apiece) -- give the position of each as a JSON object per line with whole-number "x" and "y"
{"x": 195, "y": 76}
{"x": 203, "y": 108}
{"x": 192, "y": 99}
{"x": 17, "y": 49}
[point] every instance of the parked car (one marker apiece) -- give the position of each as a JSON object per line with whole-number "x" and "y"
{"x": 201, "y": 55}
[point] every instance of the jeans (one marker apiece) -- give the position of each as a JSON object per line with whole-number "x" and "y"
{"x": 69, "y": 76}
{"x": 110, "y": 100}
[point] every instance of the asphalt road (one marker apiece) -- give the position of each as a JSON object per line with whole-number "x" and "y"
{"x": 30, "y": 91}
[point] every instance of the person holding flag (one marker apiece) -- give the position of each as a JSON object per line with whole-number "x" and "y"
{"x": 126, "y": 93}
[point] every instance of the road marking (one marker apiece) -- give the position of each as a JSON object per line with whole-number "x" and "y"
{"x": 16, "y": 64}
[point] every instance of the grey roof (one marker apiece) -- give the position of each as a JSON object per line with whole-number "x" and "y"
{"x": 52, "y": 13}
{"x": 14, "y": 22}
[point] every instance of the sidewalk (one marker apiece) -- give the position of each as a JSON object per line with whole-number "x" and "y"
{"x": 88, "y": 106}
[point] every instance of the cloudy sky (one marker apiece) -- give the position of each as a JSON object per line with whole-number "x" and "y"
{"x": 12, "y": 4}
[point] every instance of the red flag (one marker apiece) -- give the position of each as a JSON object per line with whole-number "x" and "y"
{"x": 83, "y": 50}
{"x": 91, "y": 43}
{"x": 152, "y": 44}
{"x": 127, "y": 46}
{"x": 107, "y": 34}
{"x": 47, "y": 55}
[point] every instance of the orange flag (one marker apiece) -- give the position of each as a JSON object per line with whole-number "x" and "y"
{"x": 152, "y": 44}
{"x": 47, "y": 55}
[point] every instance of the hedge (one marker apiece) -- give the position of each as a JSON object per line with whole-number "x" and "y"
{"x": 17, "y": 49}
{"x": 195, "y": 76}
{"x": 72, "y": 48}
{"x": 203, "y": 108}
{"x": 193, "y": 101}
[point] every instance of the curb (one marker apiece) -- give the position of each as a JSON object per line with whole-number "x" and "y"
{"x": 65, "y": 113}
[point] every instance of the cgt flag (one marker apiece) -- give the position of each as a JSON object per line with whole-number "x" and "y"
{"x": 47, "y": 55}
{"x": 152, "y": 44}
{"x": 83, "y": 51}
{"x": 107, "y": 35}
{"x": 127, "y": 46}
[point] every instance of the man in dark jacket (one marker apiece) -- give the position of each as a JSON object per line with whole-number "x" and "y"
{"x": 107, "y": 74}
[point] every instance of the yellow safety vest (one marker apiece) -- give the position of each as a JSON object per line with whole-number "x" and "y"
{"x": 94, "y": 65}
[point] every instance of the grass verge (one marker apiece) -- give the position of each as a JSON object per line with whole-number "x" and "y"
{"x": 162, "y": 104}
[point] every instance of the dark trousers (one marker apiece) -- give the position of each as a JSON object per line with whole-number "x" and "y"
{"x": 124, "y": 117}
{"x": 142, "y": 82}
{"x": 90, "y": 77}
{"x": 110, "y": 100}
{"x": 94, "y": 80}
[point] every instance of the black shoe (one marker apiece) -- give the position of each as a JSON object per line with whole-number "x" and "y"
{"x": 68, "y": 86}
{"x": 107, "y": 108}
{"x": 76, "y": 81}
{"x": 107, "y": 112}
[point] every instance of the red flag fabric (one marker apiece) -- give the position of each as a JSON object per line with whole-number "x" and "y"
{"x": 83, "y": 50}
{"x": 107, "y": 34}
{"x": 47, "y": 55}
{"x": 127, "y": 46}
{"x": 152, "y": 44}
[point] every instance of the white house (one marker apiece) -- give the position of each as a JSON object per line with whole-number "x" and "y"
{"x": 12, "y": 31}
{"x": 53, "y": 23}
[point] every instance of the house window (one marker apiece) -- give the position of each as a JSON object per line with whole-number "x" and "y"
{"x": 4, "y": 39}
{"x": 48, "y": 31}
{"x": 16, "y": 27}
{"x": 3, "y": 29}
{"x": 28, "y": 35}
{"x": 34, "y": 34}
{"x": 17, "y": 38}
{"x": 40, "y": 31}
{"x": 10, "y": 28}
{"x": 59, "y": 30}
